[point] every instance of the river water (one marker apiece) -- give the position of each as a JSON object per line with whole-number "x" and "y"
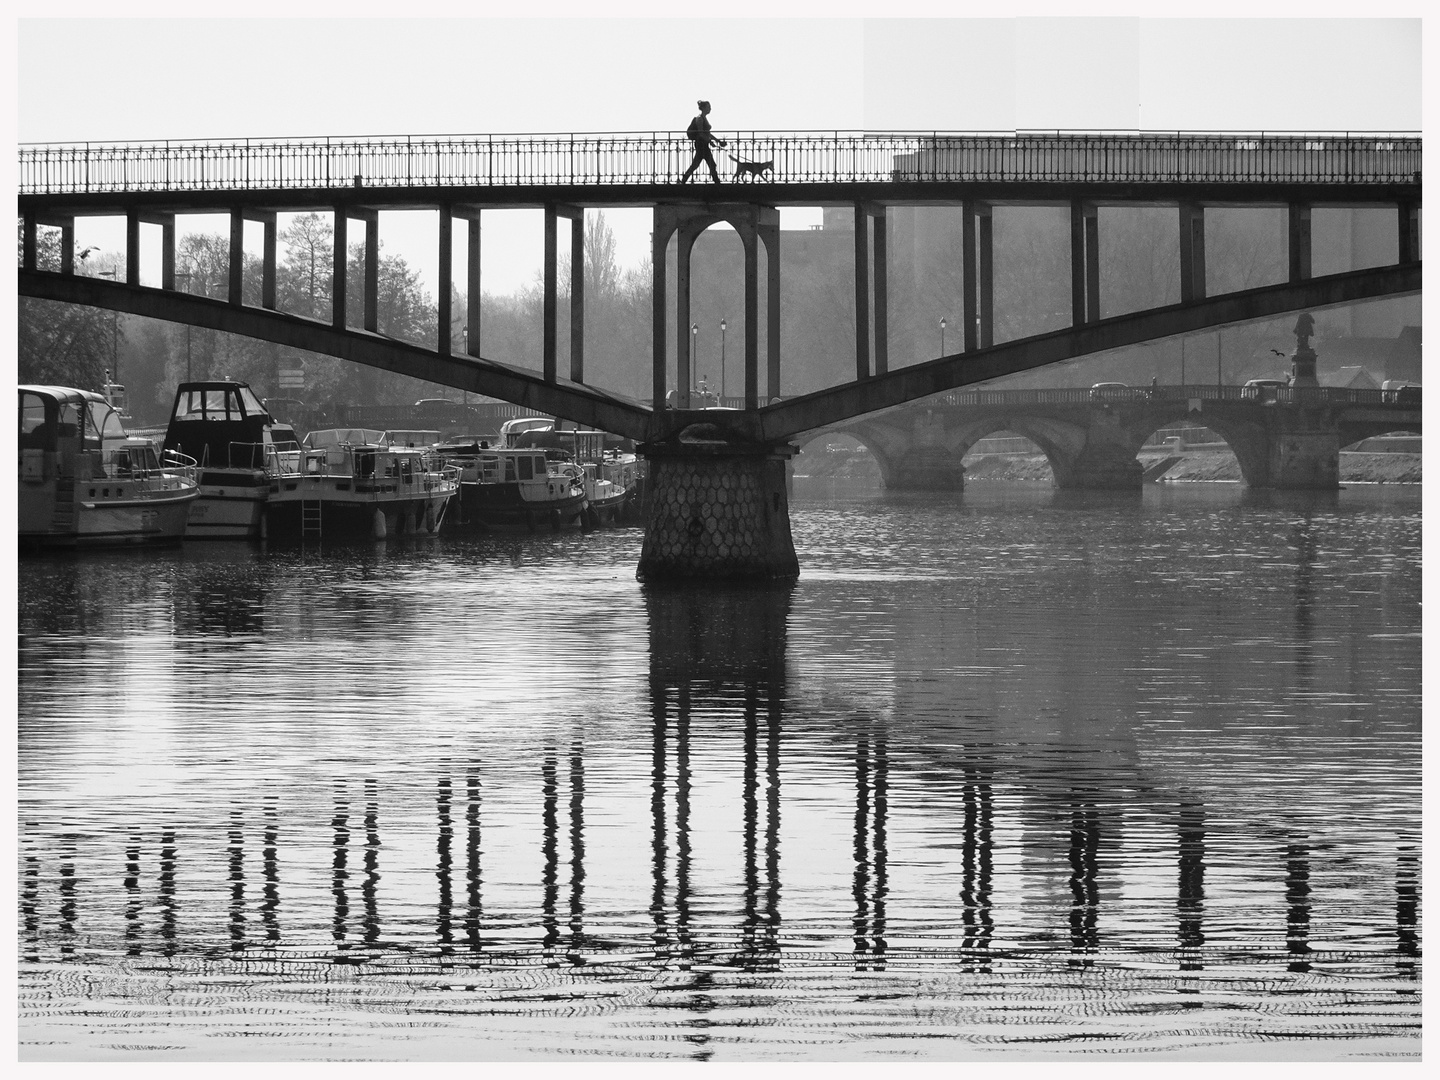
{"x": 1010, "y": 775}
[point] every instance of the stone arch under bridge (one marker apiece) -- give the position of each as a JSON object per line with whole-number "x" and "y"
{"x": 1094, "y": 443}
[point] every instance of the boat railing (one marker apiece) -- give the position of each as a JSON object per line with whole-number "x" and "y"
{"x": 248, "y": 455}
{"x": 174, "y": 462}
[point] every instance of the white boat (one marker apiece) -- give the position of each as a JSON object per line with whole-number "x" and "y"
{"x": 84, "y": 481}
{"x": 237, "y": 446}
{"x": 345, "y": 482}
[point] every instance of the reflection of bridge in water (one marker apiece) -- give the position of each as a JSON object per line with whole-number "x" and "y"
{"x": 981, "y": 855}
{"x": 719, "y": 501}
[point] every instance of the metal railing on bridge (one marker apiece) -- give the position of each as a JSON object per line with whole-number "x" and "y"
{"x": 660, "y": 157}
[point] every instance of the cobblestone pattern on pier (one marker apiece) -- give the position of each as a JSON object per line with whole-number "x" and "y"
{"x": 714, "y": 515}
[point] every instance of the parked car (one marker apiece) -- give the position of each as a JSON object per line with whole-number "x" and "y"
{"x": 1265, "y": 389}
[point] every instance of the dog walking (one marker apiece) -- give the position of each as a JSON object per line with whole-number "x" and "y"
{"x": 699, "y": 133}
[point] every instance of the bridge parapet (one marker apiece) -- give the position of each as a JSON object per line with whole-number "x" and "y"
{"x": 795, "y": 158}
{"x": 1282, "y": 395}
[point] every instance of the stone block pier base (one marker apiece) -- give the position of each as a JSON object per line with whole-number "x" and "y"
{"x": 717, "y": 511}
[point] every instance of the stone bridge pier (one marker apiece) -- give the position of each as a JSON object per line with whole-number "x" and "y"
{"x": 717, "y": 506}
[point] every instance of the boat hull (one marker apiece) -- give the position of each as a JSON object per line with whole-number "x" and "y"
{"x": 502, "y": 507}
{"x": 231, "y": 505}
{"x": 104, "y": 520}
{"x": 337, "y": 508}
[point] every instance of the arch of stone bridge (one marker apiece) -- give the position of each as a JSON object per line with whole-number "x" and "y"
{"x": 1357, "y": 430}
{"x": 911, "y": 439}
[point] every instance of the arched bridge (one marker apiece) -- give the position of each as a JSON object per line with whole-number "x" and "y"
{"x": 1287, "y": 437}
{"x": 693, "y": 452}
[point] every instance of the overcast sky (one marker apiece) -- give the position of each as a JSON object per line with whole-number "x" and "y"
{"x": 163, "y": 78}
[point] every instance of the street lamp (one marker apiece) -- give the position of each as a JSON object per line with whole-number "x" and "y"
{"x": 114, "y": 275}
{"x": 694, "y": 347}
{"x": 722, "y": 361}
{"x": 942, "y": 336}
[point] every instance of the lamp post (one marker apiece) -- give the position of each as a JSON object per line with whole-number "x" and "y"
{"x": 722, "y": 361}
{"x": 942, "y": 336}
{"x": 694, "y": 347}
{"x": 1182, "y": 361}
{"x": 114, "y": 275}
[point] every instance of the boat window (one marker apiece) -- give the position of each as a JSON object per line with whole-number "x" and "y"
{"x": 249, "y": 402}
{"x": 69, "y": 421}
{"x": 36, "y": 431}
{"x": 527, "y": 468}
{"x": 510, "y": 470}
{"x": 97, "y": 422}
{"x": 187, "y": 405}
{"x": 364, "y": 464}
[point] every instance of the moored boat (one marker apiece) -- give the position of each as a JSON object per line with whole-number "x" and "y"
{"x": 237, "y": 446}
{"x": 85, "y": 482}
{"x": 613, "y": 473}
{"x": 346, "y": 483}
{"x": 506, "y": 488}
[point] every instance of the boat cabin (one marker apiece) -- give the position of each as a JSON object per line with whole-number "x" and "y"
{"x": 73, "y": 425}
{"x": 222, "y": 425}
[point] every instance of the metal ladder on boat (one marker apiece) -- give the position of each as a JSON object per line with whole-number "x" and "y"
{"x": 62, "y": 518}
{"x": 310, "y": 517}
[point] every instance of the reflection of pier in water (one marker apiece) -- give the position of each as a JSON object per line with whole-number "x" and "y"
{"x": 720, "y": 664}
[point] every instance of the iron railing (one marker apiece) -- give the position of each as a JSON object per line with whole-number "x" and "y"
{"x": 661, "y": 157}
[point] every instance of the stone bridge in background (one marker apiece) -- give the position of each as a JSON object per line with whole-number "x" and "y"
{"x": 1283, "y": 437}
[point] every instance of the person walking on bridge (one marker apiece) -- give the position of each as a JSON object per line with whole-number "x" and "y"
{"x": 699, "y": 133}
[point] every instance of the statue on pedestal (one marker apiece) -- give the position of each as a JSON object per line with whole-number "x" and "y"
{"x": 1302, "y": 365}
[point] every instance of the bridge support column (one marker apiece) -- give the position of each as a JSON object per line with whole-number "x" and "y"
{"x": 267, "y": 221}
{"x": 1409, "y": 223}
{"x": 862, "y": 294}
{"x": 1299, "y": 245}
{"x": 717, "y": 510}
{"x": 1192, "y": 252}
{"x": 371, "y": 316}
{"x": 576, "y": 215}
{"x": 1084, "y": 262}
{"x": 1303, "y": 456}
{"x": 926, "y": 468}
{"x": 444, "y": 274}
{"x": 1099, "y": 466}
{"x": 686, "y": 222}
{"x": 472, "y": 281}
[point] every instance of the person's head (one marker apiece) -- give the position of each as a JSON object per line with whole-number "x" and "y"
{"x": 704, "y": 106}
